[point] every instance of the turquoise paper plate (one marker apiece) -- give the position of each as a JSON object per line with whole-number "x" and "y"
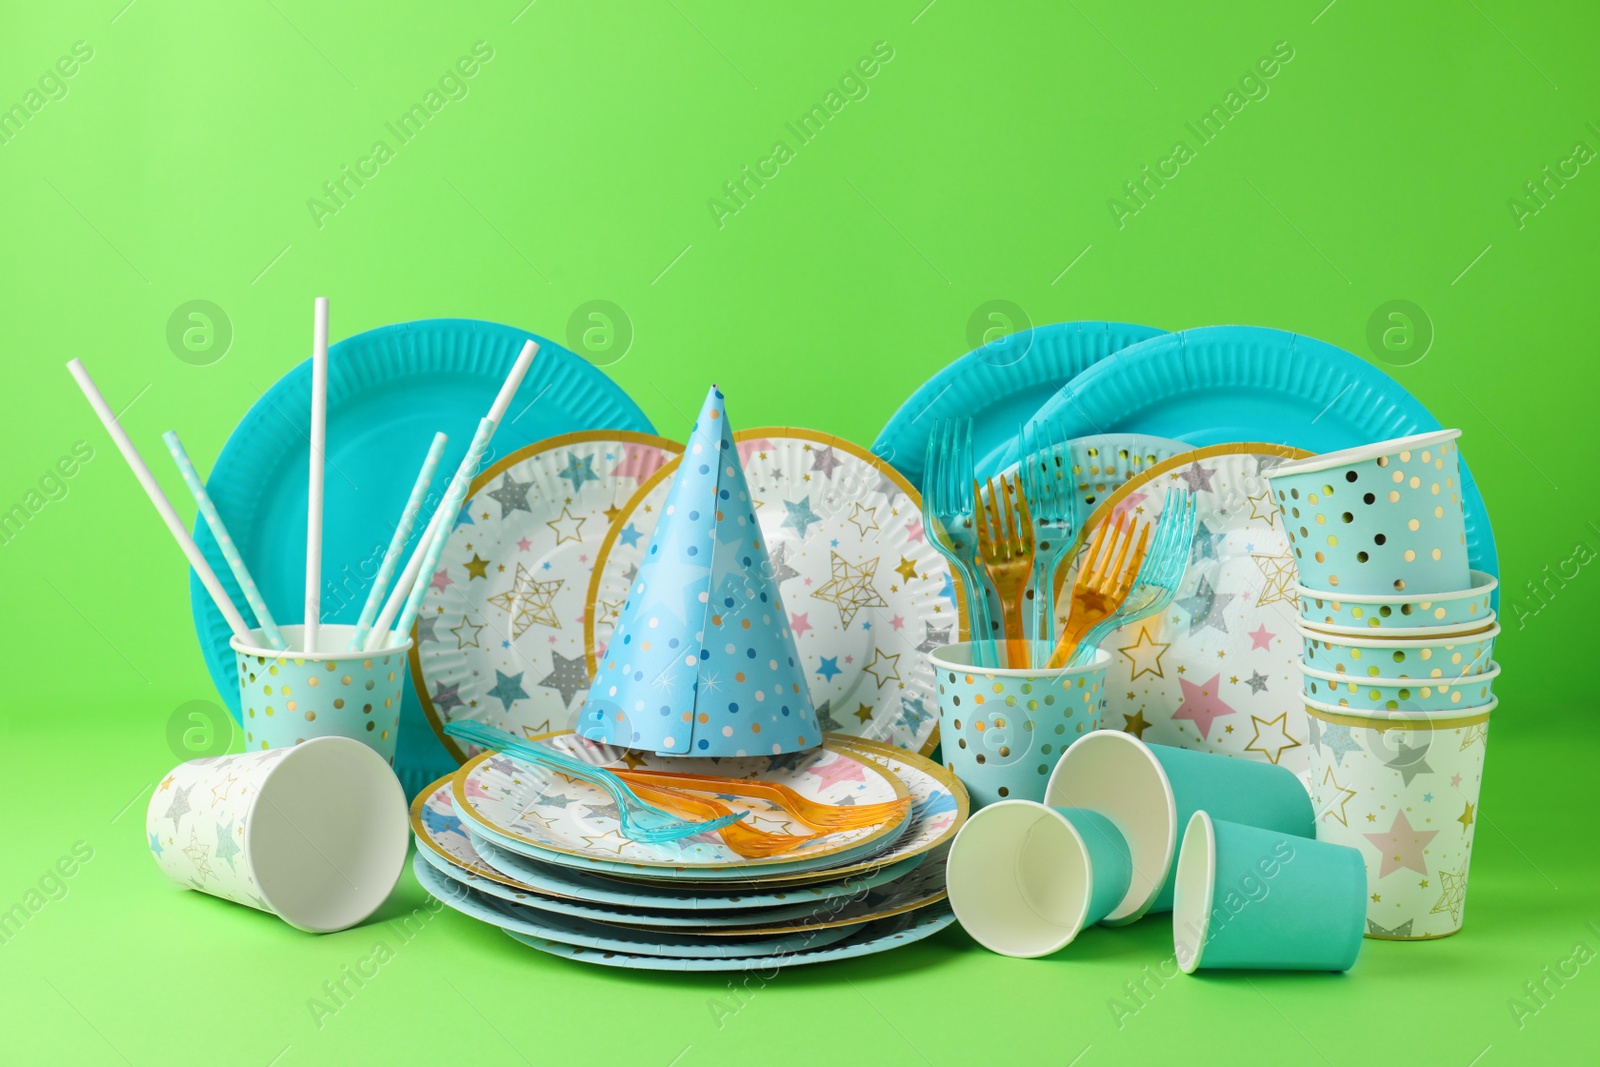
{"x": 999, "y": 386}
{"x": 581, "y": 933}
{"x": 1245, "y": 383}
{"x": 880, "y": 936}
{"x": 389, "y": 390}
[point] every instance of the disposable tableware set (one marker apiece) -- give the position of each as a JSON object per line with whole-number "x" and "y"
{"x": 683, "y": 696}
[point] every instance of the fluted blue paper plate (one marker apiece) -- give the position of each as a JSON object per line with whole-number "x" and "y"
{"x": 1219, "y": 384}
{"x": 389, "y": 390}
{"x": 999, "y": 386}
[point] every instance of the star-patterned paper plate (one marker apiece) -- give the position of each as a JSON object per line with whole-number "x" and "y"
{"x": 575, "y": 823}
{"x": 583, "y": 933}
{"x": 1219, "y": 670}
{"x": 499, "y": 638}
{"x": 865, "y": 592}
{"x": 872, "y": 938}
{"x": 939, "y": 808}
{"x": 440, "y": 831}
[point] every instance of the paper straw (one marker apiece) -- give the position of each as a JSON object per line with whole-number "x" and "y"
{"x": 147, "y": 481}
{"x": 449, "y": 508}
{"x": 513, "y": 382}
{"x": 464, "y": 472}
{"x": 230, "y": 552}
{"x": 391, "y": 557}
{"x": 319, "y": 442}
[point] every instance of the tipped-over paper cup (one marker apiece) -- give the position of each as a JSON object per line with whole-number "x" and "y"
{"x": 291, "y": 696}
{"x": 1400, "y": 694}
{"x": 1257, "y": 899}
{"x": 315, "y": 834}
{"x": 1382, "y": 518}
{"x": 1343, "y": 612}
{"x": 1439, "y": 656}
{"x": 1402, "y": 789}
{"x": 1149, "y": 792}
{"x": 1002, "y": 730}
{"x": 1025, "y": 879}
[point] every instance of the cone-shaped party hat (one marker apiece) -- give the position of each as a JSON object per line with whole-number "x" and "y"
{"x": 702, "y": 661}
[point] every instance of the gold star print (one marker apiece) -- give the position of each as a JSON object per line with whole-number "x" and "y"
{"x": 477, "y": 567}
{"x": 612, "y": 512}
{"x": 466, "y": 634}
{"x": 1272, "y": 737}
{"x": 567, "y": 526}
{"x": 850, "y": 588}
{"x": 1371, "y": 817}
{"x": 1376, "y": 899}
{"x": 608, "y": 611}
{"x": 219, "y": 792}
{"x": 200, "y": 855}
{"x": 529, "y": 602}
{"x": 864, "y": 518}
{"x": 1473, "y": 733}
{"x": 1136, "y": 724}
{"x": 864, "y": 713}
{"x": 1279, "y": 573}
{"x": 1341, "y": 801}
{"x": 1145, "y": 654}
{"x": 531, "y": 732}
{"x": 610, "y": 841}
{"x": 1262, "y": 507}
{"x": 1455, "y": 888}
{"x": 889, "y": 665}
{"x": 907, "y": 569}
{"x": 632, "y": 759}
{"x": 1422, "y": 884}
{"x": 1465, "y": 819}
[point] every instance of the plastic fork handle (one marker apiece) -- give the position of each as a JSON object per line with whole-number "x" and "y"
{"x": 489, "y": 737}
{"x": 782, "y": 795}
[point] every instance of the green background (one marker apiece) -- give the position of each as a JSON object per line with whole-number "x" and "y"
{"x": 1382, "y": 165}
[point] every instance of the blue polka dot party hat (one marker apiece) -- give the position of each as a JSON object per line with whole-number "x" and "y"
{"x": 702, "y": 661}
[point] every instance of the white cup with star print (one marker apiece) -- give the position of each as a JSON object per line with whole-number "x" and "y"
{"x": 315, "y": 834}
{"x": 1402, "y": 789}
{"x": 287, "y": 697}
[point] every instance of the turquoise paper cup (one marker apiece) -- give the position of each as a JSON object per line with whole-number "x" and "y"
{"x": 1025, "y": 879}
{"x": 288, "y": 697}
{"x": 1436, "y": 656}
{"x": 1399, "y": 694}
{"x": 1382, "y": 518}
{"x": 1002, "y": 730}
{"x": 1357, "y": 613}
{"x": 1253, "y": 899}
{"x": 1150, "y": 791}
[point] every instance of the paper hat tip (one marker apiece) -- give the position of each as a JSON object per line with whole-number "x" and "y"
{"x": 702, "y": 661}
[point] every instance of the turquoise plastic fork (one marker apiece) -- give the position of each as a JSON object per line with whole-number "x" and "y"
{"x": 1159, "y": 576}
{"x": 1047, "y": 483}
{"x": 640, "y": 821}
{"x": 949, "y": 518}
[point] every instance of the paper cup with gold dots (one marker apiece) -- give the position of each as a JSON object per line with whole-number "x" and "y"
{"x": 1003, "y": 729}
{"x": 1379, "y": 519}
{"x": 315, "y": 834}
{"x": 1440, "y": 657}
{"x": 1400, "y": 694}
{"x": 1399, "y": 613}
{"x": 290, "y": 696}
{"x": 1402, "y": 788}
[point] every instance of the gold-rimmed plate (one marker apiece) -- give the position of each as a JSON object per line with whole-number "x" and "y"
{"x": 499, "y": 639}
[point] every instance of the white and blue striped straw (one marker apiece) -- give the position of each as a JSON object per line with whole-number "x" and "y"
{"x": 391, "y": 557}
{"x": 230, "y": 551}
{"x": 449, "y": 508}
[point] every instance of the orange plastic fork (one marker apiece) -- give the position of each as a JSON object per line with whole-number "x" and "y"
{"x": 1104, "y": 581}
{"x": 1005, "y": 542}
{"x": 829, "y": 818}
{"x": 745, "y": 840}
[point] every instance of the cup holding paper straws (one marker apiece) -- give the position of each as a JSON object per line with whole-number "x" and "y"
{"x": 288, "y": 697}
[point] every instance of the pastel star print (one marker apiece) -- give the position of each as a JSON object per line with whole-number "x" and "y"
{"x": 578, "y": 471}
{"x": 1201, "y": 704}
{"x": 801, "y": 517}
{"x": 512, "y": 495}
{"x": 1401, "y": 846}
